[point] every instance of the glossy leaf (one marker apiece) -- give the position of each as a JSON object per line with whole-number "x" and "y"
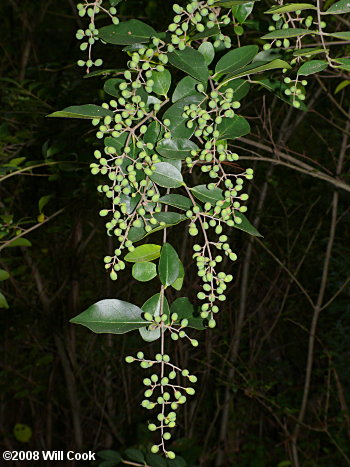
{"x": 152, "y": 306}
{"x": 153, "y": 133}
{"x": 155, "y": 460}
{"x": 236, "y": 59}
{"x": 111, "y": 86}
{"x": 208, "y": 52}
{"x": 178, "y": 201}
{"x": 166, "y": 219}
{"x": 191, "y": 62}
{"x": 135, "y": 455}
{"x": 246, "y": 226}
{"x": 257, "y": 67}
{"x": 127, "y": 32}
{"x": 177, "y": 285}
{"x": 344, "y": 63}
{"x": 168, "y": 265}
{"x": 111, "y": 316}
{"x": 312, "y": 67}
{"x": 287, "y": 33}
{"x": 87, "y": 111}
{"x": 205, "y": 195}
{"x": 185, "y": 87}
{"x": 290, "y": 7}
{"x": 232, "y": 128}
{"x": 166, "y": 175}
{"x": 339, "y": 8}
{"x": 144, "y": 272}
{"x": 278, "y": 87}
{"x": 176, "y": 148}
{"x": 241, "y": 12}
{"x": 4, "y": 275}
{"x": 240, "y": 88}
{"x": 43, "y": 202}
{"x": 177, "y": 125}
{"x": 185, "y": 310}
{"x": 143, "y": 253}
{"x": 162, "y": 82}
{"x": 3, "y": 302}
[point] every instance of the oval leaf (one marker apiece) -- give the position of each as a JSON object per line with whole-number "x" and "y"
{"x": 144, "y": 272}
{"x": 143, "y": 253}
{"x": 236, "y": 59}
{"x": 185, "y": 310}
{"x": 176, "y": 148}
{"x": 191, "y": 62}
{"x": 4, "y": 275}
{"x": 168, "y": 265}
{"x": 152, "y": 306}
{"x": 178, "y": 201}
{"x": 286, "y": 33}
{"x": 208, "y": 52}
{"x": 166, "y": 175}
{"x": 3, "y": 302}
{"x": 232, "y": 128}
{"x": 290, "y": 7}
{"x": 87, "y": 111}
{"x": 127, "y": 32}
{"x": 162, "y": 82}
{"x": 185, "y": 87}
{"x": 311, "y": 67}
{"x": 339, "y": 8}
{"x": 111, "y": 316}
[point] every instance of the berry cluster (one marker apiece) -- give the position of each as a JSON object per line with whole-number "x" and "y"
{"x": 166, "y": 395}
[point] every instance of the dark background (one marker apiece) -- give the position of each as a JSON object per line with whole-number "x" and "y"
{"x": 71, "y": 387}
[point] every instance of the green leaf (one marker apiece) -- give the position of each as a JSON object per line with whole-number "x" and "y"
{"x": 177, "y": 462}
{"x": 311, "y": 67}
{"x": 340, "y": 35}
{"x": 191, "y": 62}
{"x": 185, "y": 310}
{"x": 168, "y": 267}
{"x": 308, "y": 52}
{"x": 278, "y": 87}
{"x": 135, "y": 455}
{"x": 152, "y": 306}
{"x": 144, "y": 272}
{"x": 162, "y": 82}
{"x": 341, "y": 86}
{"x": 229, "y": 3}
{"x": 339, "y": 8}
{"x": 109, "y": 455}
{"x": 180, "y": 278}
{"x": 241, "y": 12}
{"x": 143, "y": 253}
{"x": 208, "y": 52}
{"x": 176, "y": 148}
{"x": 3, "y": 302}
{"x": 19, "y": 242}
{"x": 232, "y": 128}
{"x": 287, "y": 33}
{"x": 246, "y": 226}
{"x": 240, "y": 88}
{"x": 111, "y": 316}
{"x": 43, "y": 202}
{"x": 256, "y": 67}
{"x": 166, "y": 175}
{"x": 208, "y": 32}
{"x": 344, "y": 63}
{"x": 87, "y": 111}
{"x": 289, "y": 7}
{"x": 167, "y": 219}
{"x": 205, "y": 195}
{"x": 185, "y": 87}
{"x": 178, "y": 201}
{"x": 236, "y": 59}
{"x": 153, "y": 133}
{"x": 127, "y": 32}
{"x": 111, "y": 86}
{"x": 177, "y": 125}
{"x": 4, "y": 275}
{"x": 155, "y": 461}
